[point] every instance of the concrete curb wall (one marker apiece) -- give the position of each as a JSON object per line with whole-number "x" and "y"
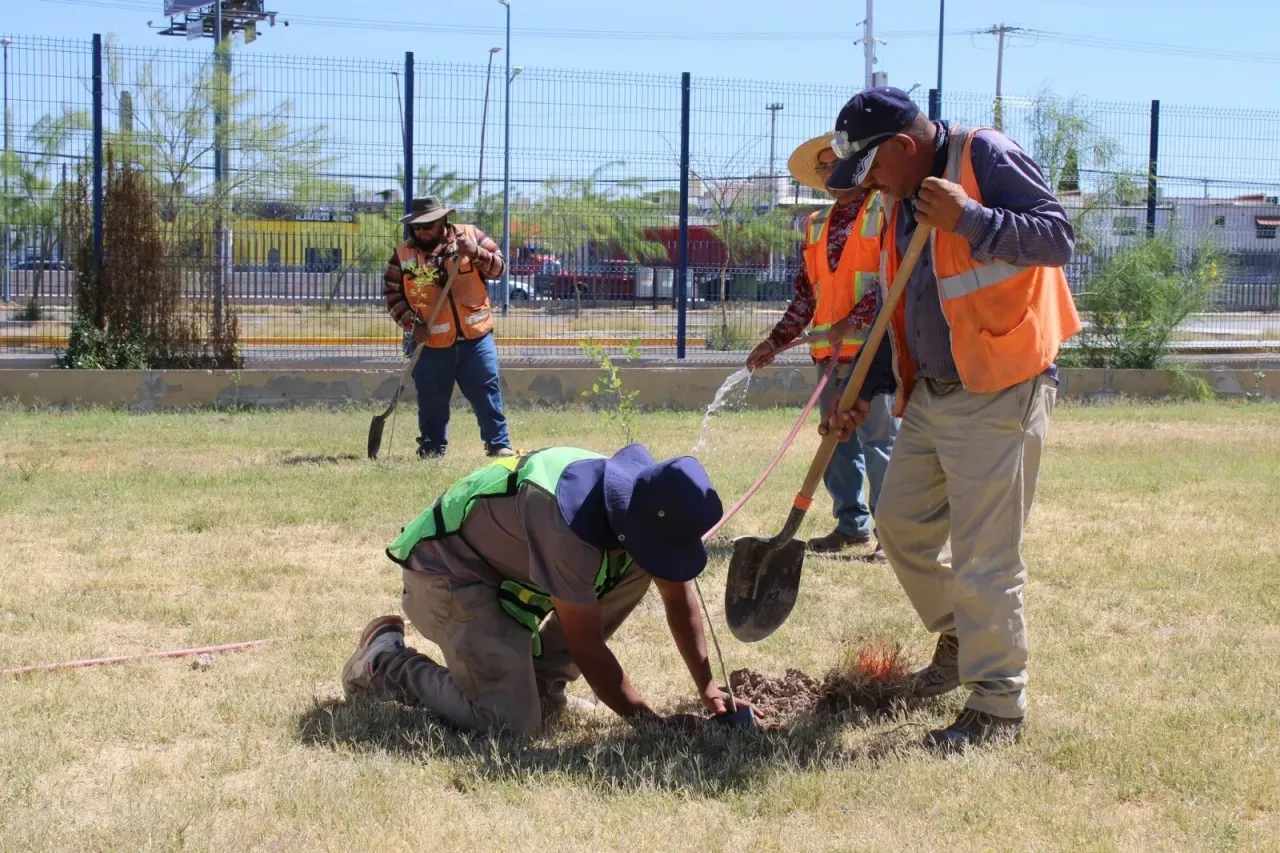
{"x": 659, "y": 387}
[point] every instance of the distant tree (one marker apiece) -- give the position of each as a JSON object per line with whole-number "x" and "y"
{"x": 1068, "y": 144}
{"x": 167, "y": 130}
{"x": 577, "y": 213}
{"x": 743, "y": 221}
{"x": 33, "y": 206}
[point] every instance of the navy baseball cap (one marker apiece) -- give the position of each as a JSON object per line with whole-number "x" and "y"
{"x": 869, "y": 118}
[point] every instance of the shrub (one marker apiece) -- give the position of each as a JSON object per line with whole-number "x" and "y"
{"x": 1137, "y": 300}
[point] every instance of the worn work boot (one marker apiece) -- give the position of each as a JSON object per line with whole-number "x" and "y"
{"x": 382, "y": 636}
{"x": 942, "y": 675}
{"x": 556, "y": 702}
{"x": 835, "y": 542}
{"x": 500, "y": 452}
{"x": 878, "y": 555}
{"x": 974, "y": 728}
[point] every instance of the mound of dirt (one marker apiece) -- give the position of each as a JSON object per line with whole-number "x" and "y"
{"x": 781, "y": 700}
{"x": 872, "y": 678}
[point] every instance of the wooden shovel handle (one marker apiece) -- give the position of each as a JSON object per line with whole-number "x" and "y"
{"x": 828, "y": 447}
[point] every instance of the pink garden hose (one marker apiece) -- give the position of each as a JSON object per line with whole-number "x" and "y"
{"x": 173, "y": 653}
{"x": 786, "y": 443}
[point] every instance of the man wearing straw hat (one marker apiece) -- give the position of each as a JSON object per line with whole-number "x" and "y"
{"x": 459, "y": 345}
{"x": 836, "y": 292}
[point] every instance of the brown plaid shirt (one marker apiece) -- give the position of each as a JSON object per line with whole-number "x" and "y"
{"x": 488, "y": 262}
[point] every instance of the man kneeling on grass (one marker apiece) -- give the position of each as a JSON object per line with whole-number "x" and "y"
{"x": 523, "y": 569}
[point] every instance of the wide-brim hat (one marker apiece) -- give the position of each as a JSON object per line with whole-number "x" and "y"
{"x": 426, "y": 209}
{"x": 659, "y": 511}
{"x": 803, "y": 162}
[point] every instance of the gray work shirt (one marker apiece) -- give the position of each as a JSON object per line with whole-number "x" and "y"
{"x": 521, "y": 537}
{"x": 1019, "y": 221}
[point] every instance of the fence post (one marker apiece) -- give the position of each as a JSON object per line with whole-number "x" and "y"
{"x": 682, "y": 271}
{"x": 97, "y": 151}
{"x": 935, "y": 105}
{"x": 408, "y": 137}
{"x": 1151, "y": 168}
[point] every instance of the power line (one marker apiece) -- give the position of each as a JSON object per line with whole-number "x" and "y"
{"x": 532, "y": 32}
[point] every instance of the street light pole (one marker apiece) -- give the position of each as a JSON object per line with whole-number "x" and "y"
{"x": 506, "y": 176}
{"x": 773, "y": 125}
{"x": 484, "y": 124}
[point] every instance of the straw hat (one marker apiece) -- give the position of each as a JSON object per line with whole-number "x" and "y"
{"x": 803, "y": 163}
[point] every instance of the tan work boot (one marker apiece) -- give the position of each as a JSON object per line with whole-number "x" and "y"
{"x": 835, "y": 542}
{"x": 974, "y": 728}
{"x": 383, "y": 635}
{"x": 942, "y": 675}
{"x": 500, "y": 453}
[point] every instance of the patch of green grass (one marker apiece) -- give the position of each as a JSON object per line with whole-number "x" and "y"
{"x": 1152, "y": 601}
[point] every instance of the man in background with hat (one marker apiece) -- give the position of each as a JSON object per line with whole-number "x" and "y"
{"x": 521, "y": 572}
{"x": 974, "y": 340}
{"x": 459, "y": 345}
{"x": 836, "y": 291}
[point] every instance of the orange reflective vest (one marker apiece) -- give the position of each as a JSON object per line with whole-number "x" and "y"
{"x": 1007, "y": 322}
{"x": 468, "y": 313}
{"x": 838, "y": 290}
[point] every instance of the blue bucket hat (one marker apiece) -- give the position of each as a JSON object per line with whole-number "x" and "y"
{"x": 656, "y": 511}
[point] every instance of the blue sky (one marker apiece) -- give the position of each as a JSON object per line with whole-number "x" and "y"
{"x": 1117, "y": 55}
{"x": 814, "y": 46}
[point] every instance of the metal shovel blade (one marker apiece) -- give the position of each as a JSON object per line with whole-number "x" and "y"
{"x": 742, "y": 718}
{"x": 763, "y": 582}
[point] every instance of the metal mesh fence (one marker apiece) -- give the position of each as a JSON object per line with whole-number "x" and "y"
{"x": 293, "y": 240}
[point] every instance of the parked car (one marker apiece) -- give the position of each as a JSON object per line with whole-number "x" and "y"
{"x": 48, "y": 264}
{"x": 519, "y": 293}
{"x": 598, "y": 279}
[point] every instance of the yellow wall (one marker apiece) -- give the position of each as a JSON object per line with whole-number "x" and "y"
{"x": 255, "y": 238}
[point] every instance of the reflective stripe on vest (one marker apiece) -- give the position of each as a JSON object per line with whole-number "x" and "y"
{"x": 855, "y": 271}
{"x": 983, "y": 275}
{"x": 527, "y": 603}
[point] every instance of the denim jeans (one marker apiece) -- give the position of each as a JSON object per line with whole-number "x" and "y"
{"x": 862, "y": 459}
{"x": 474, "y": 366}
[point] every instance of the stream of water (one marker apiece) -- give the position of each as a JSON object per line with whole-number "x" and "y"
{"x": 724, "y": 396}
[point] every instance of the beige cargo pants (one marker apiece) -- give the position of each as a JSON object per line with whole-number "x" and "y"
{"x": 490, "y": 679}
{"x": 950, "y": 517}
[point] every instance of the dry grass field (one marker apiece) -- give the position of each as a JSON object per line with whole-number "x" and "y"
{"x": 1153, "y": 600}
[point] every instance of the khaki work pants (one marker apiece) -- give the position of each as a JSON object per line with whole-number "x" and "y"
{"x": 490, "y": 679}
{"x": 957, "y": 493}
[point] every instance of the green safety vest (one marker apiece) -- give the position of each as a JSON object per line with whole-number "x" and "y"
{"x": 527, "y": 603}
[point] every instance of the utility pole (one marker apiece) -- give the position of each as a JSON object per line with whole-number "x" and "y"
{"x": 484, "y": 123}
{"x": 190, "y": 20}
{"x": 1000, "y": 32}
{"x": 942, "y": 16}
{"x": 869, "y": 44}
{"x": 773, "y": 126}
{"x": 773, "y": 180}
